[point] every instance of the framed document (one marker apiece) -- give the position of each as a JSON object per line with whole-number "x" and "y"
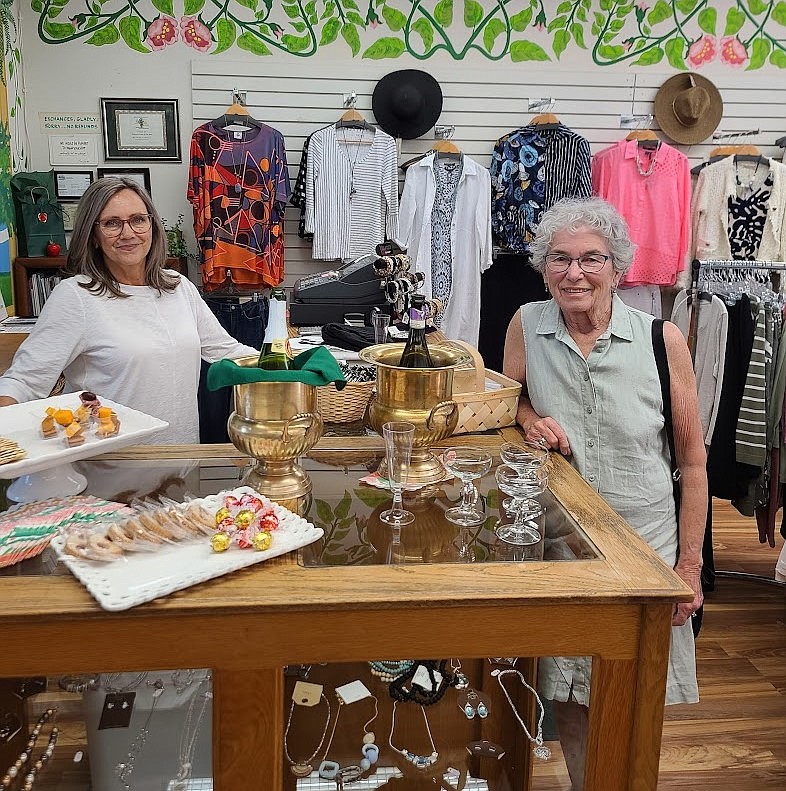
{"x": 141, "y": 129}
{"x": 71, "y": 184}
{"x": 69, "y": 212}
{"x": 140, "y": 175}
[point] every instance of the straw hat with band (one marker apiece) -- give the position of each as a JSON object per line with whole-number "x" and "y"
{"x": 688, "y": 108}
{"x": 407, "y": 103}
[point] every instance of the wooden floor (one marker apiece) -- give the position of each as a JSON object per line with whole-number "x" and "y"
{"x": 733, "y": 740}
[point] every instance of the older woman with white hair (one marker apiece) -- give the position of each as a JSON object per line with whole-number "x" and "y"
{"x": 591, "y": 390}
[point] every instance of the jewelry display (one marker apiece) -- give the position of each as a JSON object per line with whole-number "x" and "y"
{"x": 540, "y": 750}
{"x": 471, "y": 702}
{"x": 389, "y": 669}
{"x": 439, "y": 681}
{"x": 125, "y": 769}
{"x": 191, "y": 730}
{"x": 304, "y": 768}
{"x": 418, "y": 761}
{"x": 462, "y": 682}
{"x": 80, "y": 683}
{"x": 24, "y": 763}
{"x": 332, "y": 770}
{"x": 111, "y": 679}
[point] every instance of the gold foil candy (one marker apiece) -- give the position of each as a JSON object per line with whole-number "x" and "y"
{"x": 222, "y": 514}
{"x": 244, "y": 518}
{"x": 262, "y": 540}
{"x": 220, "y": 542}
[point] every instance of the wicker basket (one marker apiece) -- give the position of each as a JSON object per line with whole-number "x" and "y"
{"x": 344, "y": 406}
{"x": 490, "y": 409}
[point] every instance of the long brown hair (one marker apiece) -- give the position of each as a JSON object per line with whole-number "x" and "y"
{"x": 84, "y": 253}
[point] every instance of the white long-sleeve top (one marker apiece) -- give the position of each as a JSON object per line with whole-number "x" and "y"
{"x": 344, "y": 225}
{"x": 710, "y": 211}
{"x": 143, "y": 351}
{"x": 470, "y": 239}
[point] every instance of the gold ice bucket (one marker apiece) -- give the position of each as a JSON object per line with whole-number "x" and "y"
{"x": 275, "y": 422}
{"x": 421, "y": 396}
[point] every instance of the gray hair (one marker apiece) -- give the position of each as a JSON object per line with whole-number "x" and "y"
{"x": 84, "y": 253}
{"x": 591, "y": 214}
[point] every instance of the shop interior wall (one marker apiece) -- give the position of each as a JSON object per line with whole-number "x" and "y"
{"x": 482, "y": 99}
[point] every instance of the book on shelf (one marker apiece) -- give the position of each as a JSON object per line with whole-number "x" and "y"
{"x": 41, "y": 286}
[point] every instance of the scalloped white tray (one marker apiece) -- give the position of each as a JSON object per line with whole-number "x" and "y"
{"x": 141, "y": 577}
{"x": 22, "y": 423}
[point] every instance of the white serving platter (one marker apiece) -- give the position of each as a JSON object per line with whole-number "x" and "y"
{"x": 22, "y": 423}
{"x": 140, "y": 577}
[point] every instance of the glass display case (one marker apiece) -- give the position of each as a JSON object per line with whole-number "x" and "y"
{"x": 436, "y": 628}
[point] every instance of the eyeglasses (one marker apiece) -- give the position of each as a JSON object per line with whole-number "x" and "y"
{"x": 138, "y": 223}
{"x": 557, "y": 262}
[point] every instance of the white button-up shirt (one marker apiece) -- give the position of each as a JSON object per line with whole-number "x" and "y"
{"x": 470, "y": 239}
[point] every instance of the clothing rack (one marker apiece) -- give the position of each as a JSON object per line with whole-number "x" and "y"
{"x": 698, "y": 268}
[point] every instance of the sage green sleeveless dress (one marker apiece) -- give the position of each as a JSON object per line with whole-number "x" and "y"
{"x": 611, "y": 408}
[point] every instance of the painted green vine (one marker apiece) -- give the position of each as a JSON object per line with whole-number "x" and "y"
{"x": 687, "y": 34}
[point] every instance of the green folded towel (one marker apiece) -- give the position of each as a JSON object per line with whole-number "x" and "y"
{"x": 315, "y": 366}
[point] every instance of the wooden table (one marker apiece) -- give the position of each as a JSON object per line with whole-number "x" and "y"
{"x": 247, "y": 626}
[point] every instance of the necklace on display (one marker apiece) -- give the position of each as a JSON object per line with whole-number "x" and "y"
{"x": 749, "y": 185}
{"x": 23, "y": 762}
{"x": 353, "y": 161}
{"x": 190, "y": 732}
{"x": 125, "y": 769}
{"x": 653, "y": 162}
{"x": 240, "y": 170}
{"x": 304, "y": 768}
{"x": 418, "y": 761}
{"x": 540, "y": 750}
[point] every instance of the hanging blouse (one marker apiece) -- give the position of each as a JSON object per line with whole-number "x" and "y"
{"x": 298, "y": 199}
{"x": 447, "y": 175}
{"x": 747, "y": 215}
{"x": 531, "y": 169}
{"x": 238, "y": 186}
{"x": 651, "y": 190}
{"x": 351, "y": 192}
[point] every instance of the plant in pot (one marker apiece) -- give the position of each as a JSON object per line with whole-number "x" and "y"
{"x": 175, "y": 241}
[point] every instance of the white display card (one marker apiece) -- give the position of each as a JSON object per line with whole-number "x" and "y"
{"x": 423, "y": 678}
{"x": 355, "y": 690}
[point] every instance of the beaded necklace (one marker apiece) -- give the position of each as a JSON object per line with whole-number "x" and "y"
{"x": 22, "y": 762}
{"x": 418, "y": 761}
{"x": 304, "y": 768}
{"x": 389, "y": 669}
{"x": 653, "y": 162}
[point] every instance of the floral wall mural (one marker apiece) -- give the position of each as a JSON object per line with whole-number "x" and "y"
{"x": 685, "y": 34}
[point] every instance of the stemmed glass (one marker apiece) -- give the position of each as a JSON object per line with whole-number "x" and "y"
{"x": 398, "y": 449}
{"x": 524, "y": 486}
{"x": 523, "y": 458}
{"x": 467, "y": 463}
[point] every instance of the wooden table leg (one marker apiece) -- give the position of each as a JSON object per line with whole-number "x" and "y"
{"x": 626, "y": 711}
{"x": 248, "y": 729}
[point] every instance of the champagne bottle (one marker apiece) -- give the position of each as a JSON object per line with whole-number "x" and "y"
{"x": 416, "y": 354}
{"x": 276, "y": 352}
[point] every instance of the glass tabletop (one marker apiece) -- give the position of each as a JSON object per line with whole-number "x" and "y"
{"x": 345, "y": 507}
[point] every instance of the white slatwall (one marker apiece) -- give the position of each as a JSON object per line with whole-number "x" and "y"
{"x": 298, "y": 97}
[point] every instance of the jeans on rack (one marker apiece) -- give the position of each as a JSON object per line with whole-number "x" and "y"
{"x": 246, "y": 323}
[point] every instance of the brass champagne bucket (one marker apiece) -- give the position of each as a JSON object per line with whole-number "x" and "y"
{"x": 421, "y": 396}
{"x": 275, "y": 422}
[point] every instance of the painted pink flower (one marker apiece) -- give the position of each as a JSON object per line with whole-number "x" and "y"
{"x": 702, "y": 51}
{"x": 733, "y": 52}
{"x": 162, "y": 32}
{"x": 195, "y": 33}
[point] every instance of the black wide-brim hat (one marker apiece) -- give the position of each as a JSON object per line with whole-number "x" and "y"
{"x": 407, "y": 103}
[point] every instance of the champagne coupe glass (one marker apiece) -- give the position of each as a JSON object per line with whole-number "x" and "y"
{"x": 523, "y": 458}
{"x": 398, "y": 448}
{"x": 524, "y": 486}
{"x": 467, "y": 463}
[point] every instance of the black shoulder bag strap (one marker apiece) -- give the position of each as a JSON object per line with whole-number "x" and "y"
{"x": 659, "y": 348}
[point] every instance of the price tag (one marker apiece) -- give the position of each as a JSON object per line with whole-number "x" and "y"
{"x": 306, "y": 694}
{"x": 355, "y": 690}
{"x": 428, "y": 680}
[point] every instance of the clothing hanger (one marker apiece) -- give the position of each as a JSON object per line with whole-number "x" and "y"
{"x": 645, "y": 138}
{"x": 546, "y": 121}
{"x": 352, "y": 119}
{"x": 237, "y": 117}
{"x": 446, "y": 149}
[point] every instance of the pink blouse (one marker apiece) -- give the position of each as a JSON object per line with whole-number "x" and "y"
{"x": 654, "y": 199}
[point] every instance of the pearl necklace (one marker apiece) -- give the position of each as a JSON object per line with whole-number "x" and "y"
{"x": 190, "y": 732}
{"x": 540, "y": 750}
{"x": 22, "y": 762}
{"x": 653, "y": 162}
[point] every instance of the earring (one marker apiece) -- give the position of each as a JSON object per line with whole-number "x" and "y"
{"x": 483, "y": 712}
{"x": 469, "y": 712}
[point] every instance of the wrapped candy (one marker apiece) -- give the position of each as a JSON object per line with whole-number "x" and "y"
{"x": 220, "y": 542}
{"x": 247, "y": 520}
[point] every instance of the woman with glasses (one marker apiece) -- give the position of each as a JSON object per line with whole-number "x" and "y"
{"x": 124, "y": 326}
{"x": 591, "y": 390}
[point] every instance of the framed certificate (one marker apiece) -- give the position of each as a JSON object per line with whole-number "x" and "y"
{"x": 71, "y": 184}
{"x": 141, "y": 129}
{"x": 140, "y": 175}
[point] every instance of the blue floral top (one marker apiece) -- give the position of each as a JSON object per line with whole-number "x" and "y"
{"x": 531, "y": 169}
